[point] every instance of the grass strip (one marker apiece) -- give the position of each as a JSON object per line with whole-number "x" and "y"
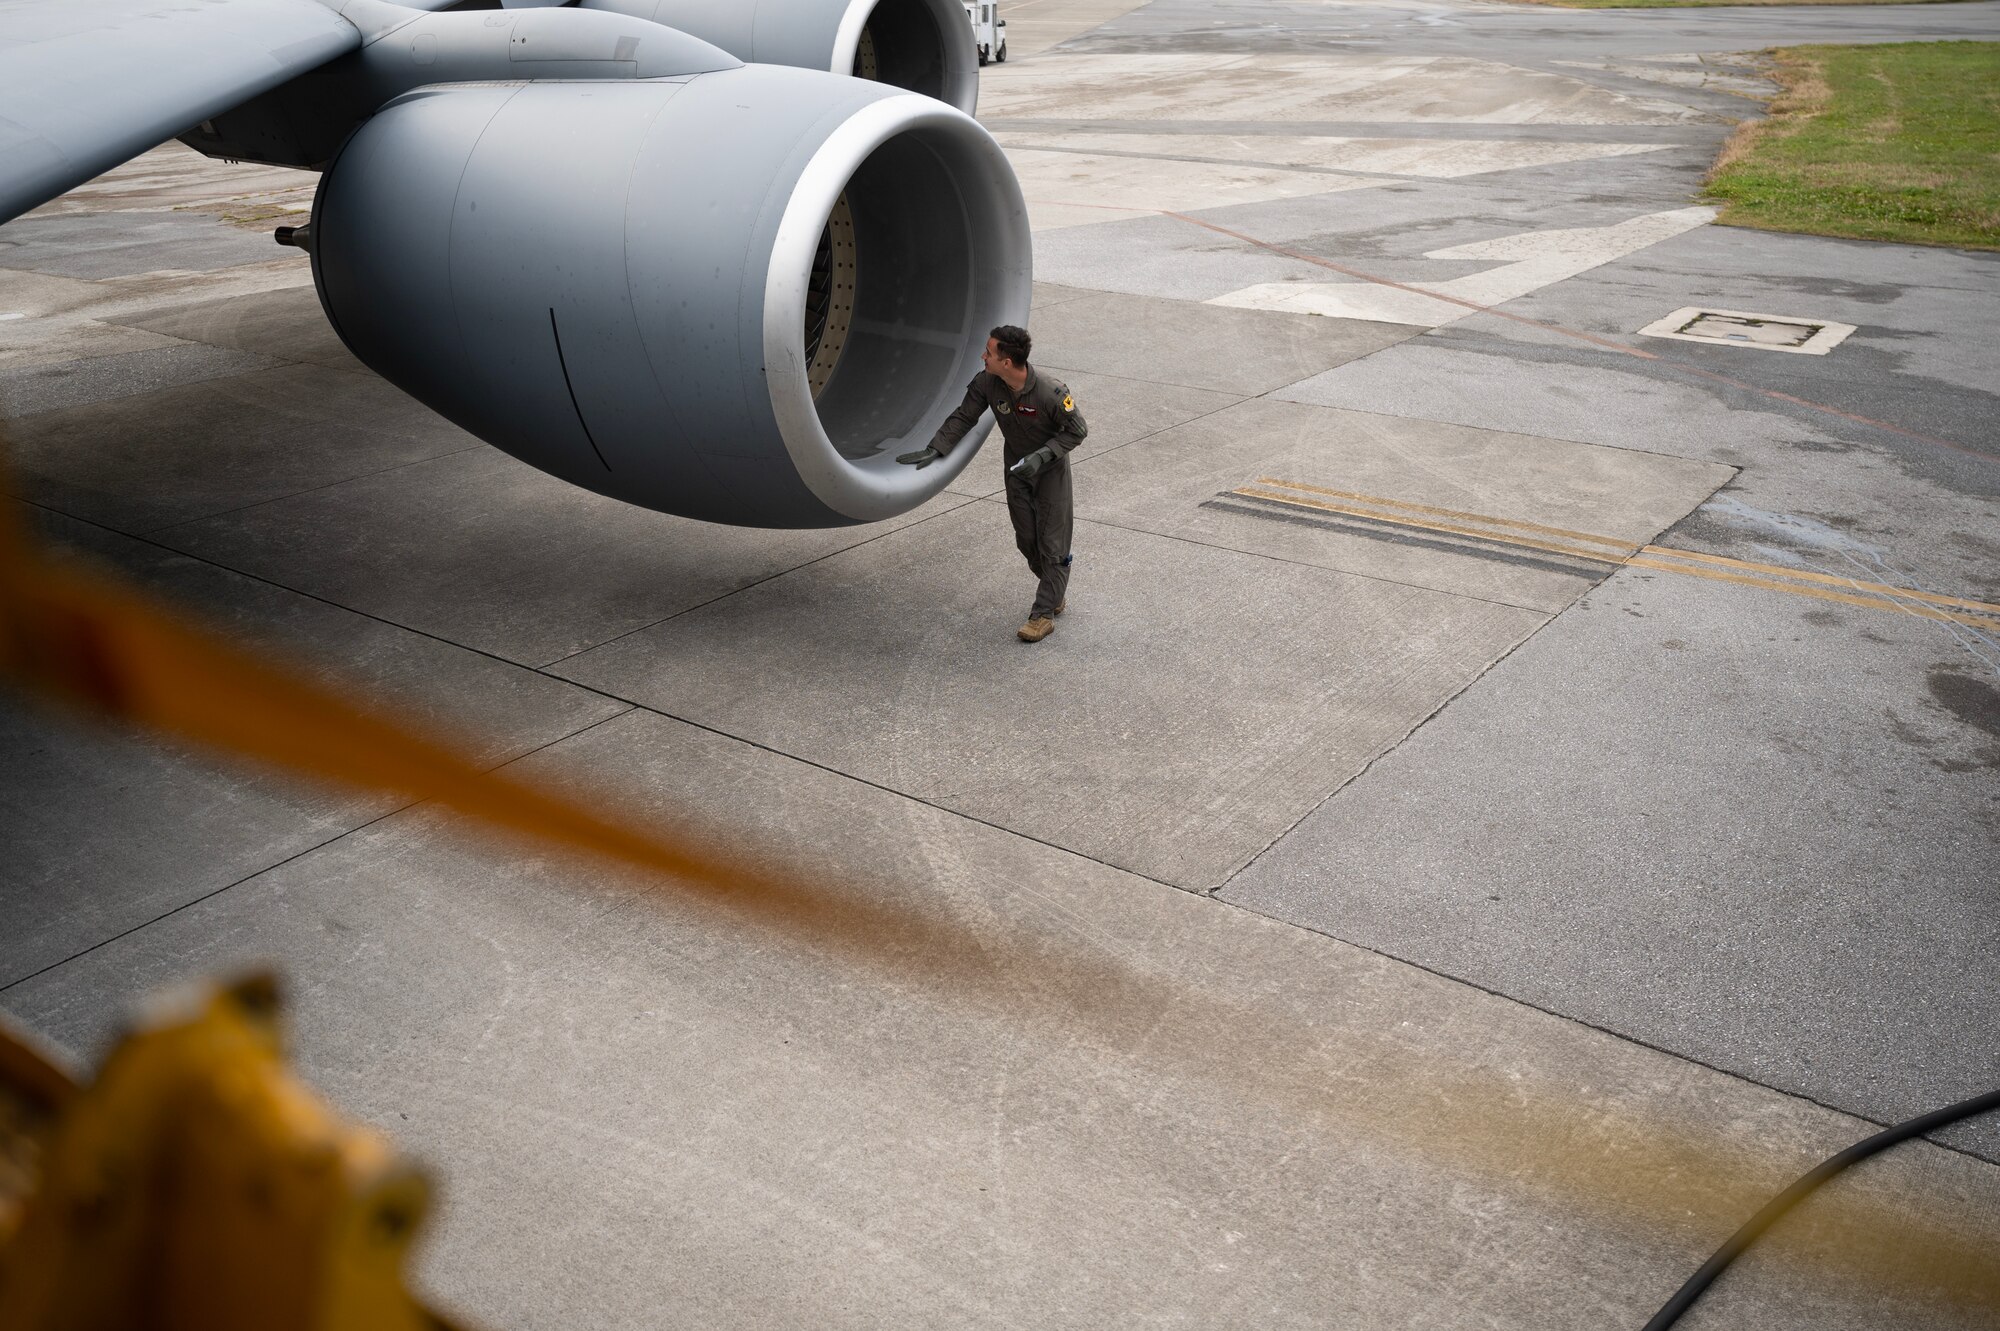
{"x": 1894, "y": 142}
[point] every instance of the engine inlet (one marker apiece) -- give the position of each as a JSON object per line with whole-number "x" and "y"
{"x": 830, "y": 297}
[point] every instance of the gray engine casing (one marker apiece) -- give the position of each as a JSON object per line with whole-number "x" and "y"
{"x": 925, "y": 46}
{"x": 609, "y": 280}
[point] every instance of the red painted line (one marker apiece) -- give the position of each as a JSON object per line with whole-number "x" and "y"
{"x": 1605, "y": 343}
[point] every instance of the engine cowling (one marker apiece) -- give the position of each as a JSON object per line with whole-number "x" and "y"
{"x": 924, "y": 46}
{"x": 734, "y": 297}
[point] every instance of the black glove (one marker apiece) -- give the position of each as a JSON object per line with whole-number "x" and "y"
{"x": 920, "y": 459}
{"x": 1031, "y": 466}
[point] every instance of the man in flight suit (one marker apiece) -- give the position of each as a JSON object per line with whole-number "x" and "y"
{"x": 1039, "y": 421}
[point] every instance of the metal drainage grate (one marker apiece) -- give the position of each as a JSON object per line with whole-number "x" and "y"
{"x": 1738, "y": 328}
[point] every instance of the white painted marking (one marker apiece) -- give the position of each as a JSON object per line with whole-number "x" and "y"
{"x": 1829, "y": 336}
{"x": 16, "y": 314}
{"x": 1538, "y": 259}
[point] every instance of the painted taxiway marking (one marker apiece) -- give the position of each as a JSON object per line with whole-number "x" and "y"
{"x": 1357, "y": 510}
{"x": 1529, "y": 261}
{"x": 1624, "y": 554}
{"x": 1604, "y": 342}
{"x": 1380, "y": 502}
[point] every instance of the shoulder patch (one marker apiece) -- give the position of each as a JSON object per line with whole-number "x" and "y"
{"x": 1069, "y": 403}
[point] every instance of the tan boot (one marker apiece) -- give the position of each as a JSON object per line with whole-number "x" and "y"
{"x": 1041, "y": 626}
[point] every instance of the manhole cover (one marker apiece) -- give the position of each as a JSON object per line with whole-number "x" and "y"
{"x": 1765, "y": 332}
{"x": 1739, "y": 328}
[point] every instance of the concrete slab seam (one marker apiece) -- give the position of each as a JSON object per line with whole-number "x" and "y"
{"x": 817, "y": 765}
{"x": 546, "y": 666}
{"x": 206, "y": 896}
{"x": 296, "y": 494}
{"x": 1223, "y": 886}
{"x": 209, "y": 375}
{"x": 1590, "y": 1025}
{"x": 296, "y": 855}
{"x": 335, "y": 605}
{"x": 1293, "y": 563}
{"x": 1735, "y": 470}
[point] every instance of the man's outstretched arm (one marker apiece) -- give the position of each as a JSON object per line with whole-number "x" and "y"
{"x": 948, "y": 435}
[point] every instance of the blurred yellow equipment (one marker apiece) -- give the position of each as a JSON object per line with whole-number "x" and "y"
{"x": 197, "y": 1185}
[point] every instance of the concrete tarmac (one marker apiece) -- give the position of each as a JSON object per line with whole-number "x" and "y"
{"x": 1508, "y": 794}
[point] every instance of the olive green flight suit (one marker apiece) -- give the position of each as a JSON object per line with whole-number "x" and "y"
{"x": 1043, "y": 509}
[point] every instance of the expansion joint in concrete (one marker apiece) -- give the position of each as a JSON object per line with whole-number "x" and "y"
{"x": 164, "y": 528}
{"x": 547, "y": 666}
{"x": 295, "y": 857}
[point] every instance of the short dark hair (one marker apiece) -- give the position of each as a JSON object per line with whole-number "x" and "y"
{"x": 1014, "y": 343}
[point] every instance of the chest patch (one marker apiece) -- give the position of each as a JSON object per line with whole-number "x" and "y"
{"x": 1002, "y": 408}
{"x": 1028, "y": 411}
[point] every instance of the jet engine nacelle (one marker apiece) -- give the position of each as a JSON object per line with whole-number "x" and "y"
{"x": 925, "y": 46}
{"x": 734, "y": 297}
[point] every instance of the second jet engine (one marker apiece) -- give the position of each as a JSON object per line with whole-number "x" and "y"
{"x": 923, "y": 45}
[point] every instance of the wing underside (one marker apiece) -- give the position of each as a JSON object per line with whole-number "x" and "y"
{"x": 87, "y": 84}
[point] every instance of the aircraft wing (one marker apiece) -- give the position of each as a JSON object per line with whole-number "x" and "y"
{"x": 87, "y": 84}
{"x": 735, "y": 291}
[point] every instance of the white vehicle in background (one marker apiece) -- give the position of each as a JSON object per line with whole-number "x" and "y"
{"x": 989, "y": 32}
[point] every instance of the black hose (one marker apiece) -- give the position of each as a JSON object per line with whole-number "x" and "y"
{"x": 1685, "y": 1296}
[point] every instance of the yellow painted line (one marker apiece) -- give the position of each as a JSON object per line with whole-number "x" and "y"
{"x": 1773, "y": 570}
{"x": 1958, "y": 602}
{"x": 1869, "y": 596}
{"x": 1611, "y": 541}
{"x": 1299, "y": 501}
{"x": 1822, "y": 593}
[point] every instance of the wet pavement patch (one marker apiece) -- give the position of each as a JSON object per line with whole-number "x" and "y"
{"x": 1976, "y": 702}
